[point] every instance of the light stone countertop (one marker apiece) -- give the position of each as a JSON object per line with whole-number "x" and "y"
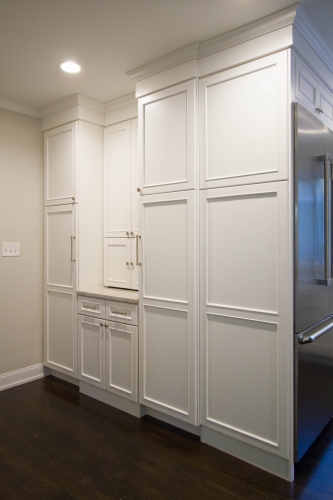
{"x": 118, "y": 294}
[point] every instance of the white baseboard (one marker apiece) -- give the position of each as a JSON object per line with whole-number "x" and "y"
{"x": 18, "y": 377}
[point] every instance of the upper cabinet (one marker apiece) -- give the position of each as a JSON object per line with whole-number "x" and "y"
{"x": 60, "y": 160}
{"x": 243, "y": 116}
{"x": 314, "y": 96}
{"x": 120, "y": 180}
{"x": 167, "y": 144}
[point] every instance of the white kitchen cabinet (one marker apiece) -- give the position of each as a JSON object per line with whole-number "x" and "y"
{"x": 73, "y": 235}
{"x": 312, "y": 94}
{"x": 60, "y": 253}
{"x": 245, "y": 344}
{"x": 122, "y": 360}
{"x": 120, "y": 262}
{"x": 91, "y": 350}
{"x": 108, "y": 350}
{"x": 120, "y": 180}
{"x": 167, "y": 142}
{"x": 167, "y": 319}
{"x": 60, "y": 165}
{"x": 243, "y": 123}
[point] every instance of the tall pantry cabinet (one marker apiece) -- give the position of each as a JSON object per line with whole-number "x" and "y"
{"x": 73, "y": 232}
{"x": 168, "y": 282}
{"x": 121, "y": 235}
{"x": 240, "y": 212}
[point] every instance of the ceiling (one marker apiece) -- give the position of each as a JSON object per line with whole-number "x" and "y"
{"x": 110, "y": 37}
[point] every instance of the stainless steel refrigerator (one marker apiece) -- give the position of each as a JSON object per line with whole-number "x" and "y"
{"x": 313, "y": 278}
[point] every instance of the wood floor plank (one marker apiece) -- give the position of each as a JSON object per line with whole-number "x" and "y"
{"x": 58, "y": 444}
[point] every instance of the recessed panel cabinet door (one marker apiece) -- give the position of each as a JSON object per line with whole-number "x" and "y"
{"x": 91, "y": 350}
{"x": 122, "y": 359}
{"x": 246, "y": 324}
{"x": 118, "y": 263}
{"x": 60, "y": 253}
{"x": 167, "y": 317}
{"x": 243, "y": 123}
{"x": 60, "y": 163}
{"x": 167, "y": 128}
{"x": 117, "y": 180}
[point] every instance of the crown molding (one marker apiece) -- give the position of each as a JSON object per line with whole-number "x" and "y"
{"x": 312, "y": 35}
{"x": 19, "y": 108}
{"x": 69, "y": 102}
{"x": 163, "y": 63}
{"x": 121, "y": 102}
{"x": 257, "y": 28}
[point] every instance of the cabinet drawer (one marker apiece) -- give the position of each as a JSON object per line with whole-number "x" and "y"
{"x": 89, "y": 306}
{"x": 122, "y": 312}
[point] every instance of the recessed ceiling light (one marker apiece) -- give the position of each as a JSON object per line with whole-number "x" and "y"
{"x": 70, "y": 67}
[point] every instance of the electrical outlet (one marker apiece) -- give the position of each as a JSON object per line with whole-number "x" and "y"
{"x": 10, "y": 249}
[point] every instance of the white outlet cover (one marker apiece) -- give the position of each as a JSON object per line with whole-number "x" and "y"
{"x": 10, "y": 249}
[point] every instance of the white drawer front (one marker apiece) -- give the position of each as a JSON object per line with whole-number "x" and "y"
{"x": 122, "y": 312}
{"x": 89, "y": 306}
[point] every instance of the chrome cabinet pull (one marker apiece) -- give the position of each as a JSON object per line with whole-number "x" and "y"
{"x": 122, "y": 313}
{"x": 327, "y": 281}
{"x": 137, "y": 250}
{"x": 320, "y": 109}
{"x": 72, "y": 243}
{"x": 92, "y": 308}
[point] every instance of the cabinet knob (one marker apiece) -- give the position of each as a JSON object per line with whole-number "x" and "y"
{"x": 132, "y": 234}
{"x": 139, "y": 190}
{"x": 127, "y": 233}
{"x": 101, "y": 324}
{"x": 319, "y": 109}
{"x": 127, "y": 263}
{"x": 132, "y": 263}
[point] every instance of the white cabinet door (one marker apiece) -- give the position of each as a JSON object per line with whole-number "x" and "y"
{"x": 91, "y": 350}
{"x": 167, "y": 317}
{"x": 60, "y": 165}
{"x": 243, "y": 123}
{"x": 134, "y": 196}
{"x": 122, "y": 359}
{"x": 246, "y": 324}
{"x": 120, "y": 262}
{"x": 167, "y": 139}
{"x": 60, "y": 250}
{"x": 312, "y": 94}
{"x": 117, "y": 180}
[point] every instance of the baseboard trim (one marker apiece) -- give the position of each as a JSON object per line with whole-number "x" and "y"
{"x": 18, "y": 377}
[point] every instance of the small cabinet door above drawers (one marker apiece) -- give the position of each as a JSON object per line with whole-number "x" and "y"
{"x": 90, "y": 306}
{"x": 122, "y": 312}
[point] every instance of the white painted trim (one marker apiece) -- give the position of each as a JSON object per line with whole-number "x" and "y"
{"x": 114, "y": 400}
{"x": 263, "y": 459}
{"x": 19, "y": 108}
{"x": 312, "y": 35}
{"x": 121, "y": 102}
{"x": 163, "y": 63}
{"x": 294, "y": 16}
{"x": 63, "y": 376}
{"x": 70, "y": 102}
{"x": 168, "y": 419}
{"x": 257, "y": 28}
{"x": 23, "y": 376}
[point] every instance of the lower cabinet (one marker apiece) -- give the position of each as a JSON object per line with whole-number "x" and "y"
{"x": 108, "y": 350}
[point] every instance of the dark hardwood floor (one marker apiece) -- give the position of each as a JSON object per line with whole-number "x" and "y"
{"x": 58, "y": 444}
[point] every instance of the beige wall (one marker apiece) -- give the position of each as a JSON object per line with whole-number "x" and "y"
{"x": 21, "y": 220}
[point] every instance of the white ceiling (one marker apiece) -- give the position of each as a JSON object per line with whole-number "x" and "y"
{"x": 110, "y": 37}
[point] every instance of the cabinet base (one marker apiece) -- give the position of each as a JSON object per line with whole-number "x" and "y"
{"x": 114, "y": 400}
{"x": 269, "y": 462}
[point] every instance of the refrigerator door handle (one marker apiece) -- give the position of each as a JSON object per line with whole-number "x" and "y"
{"x": 314, "y": 332}
{"x": 327, "y": 281}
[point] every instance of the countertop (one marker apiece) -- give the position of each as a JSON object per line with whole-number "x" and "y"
{"x": 118, "y": 294}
